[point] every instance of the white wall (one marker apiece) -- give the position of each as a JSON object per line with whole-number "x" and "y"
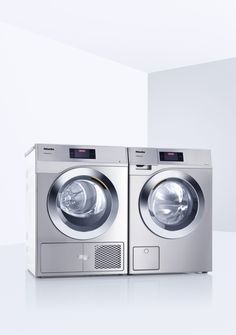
{"x": 195, "y": 107}
{"x": 151, "y": 35}
{"x": 57, "y": 94}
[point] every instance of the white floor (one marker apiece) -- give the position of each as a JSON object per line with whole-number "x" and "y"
{"x": 164, "y": 304}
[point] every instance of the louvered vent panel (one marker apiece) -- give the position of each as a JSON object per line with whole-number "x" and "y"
{"x": 108, "y": 256}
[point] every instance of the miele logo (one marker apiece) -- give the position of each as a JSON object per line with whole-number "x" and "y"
{"x": 48, "y": 149}
{"x": 83, "y": 257}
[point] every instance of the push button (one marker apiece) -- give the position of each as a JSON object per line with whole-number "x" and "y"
{"x": 146, "y": 258}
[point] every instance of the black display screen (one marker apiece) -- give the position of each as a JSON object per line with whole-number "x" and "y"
{"x": 83, "y": 153}
{"x": 169, "y": 156}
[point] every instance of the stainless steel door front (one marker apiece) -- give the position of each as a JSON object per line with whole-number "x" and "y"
{"x": 171, "y": 203}
{"x": 82, "y": 203}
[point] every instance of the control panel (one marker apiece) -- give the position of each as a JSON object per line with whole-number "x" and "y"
{"x": 83, "y": 153}
{"x": 144, "y": 158}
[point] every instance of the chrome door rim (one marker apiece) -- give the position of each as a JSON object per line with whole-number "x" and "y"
{"x": 56, "y": 215}
{"x": 144, "y": 210}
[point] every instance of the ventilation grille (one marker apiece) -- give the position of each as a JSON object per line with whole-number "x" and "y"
{"x": 108, "y": 256}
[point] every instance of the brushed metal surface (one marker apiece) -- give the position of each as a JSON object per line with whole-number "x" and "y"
{"x": 77, "y": 258}
{"x": 45, "y": 173}
{"x": 60, "y": 153}
{"x": 146, "y": 258}
{"x": 61, "y": 257}
{"x": 190, "y": 252}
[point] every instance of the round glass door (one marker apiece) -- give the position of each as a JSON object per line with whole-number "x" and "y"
{"x": 170, "y": 204}
{"x": 173, "y": 204}
{"x": 82, "y": 203}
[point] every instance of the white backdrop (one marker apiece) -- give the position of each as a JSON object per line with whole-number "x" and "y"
{"x": 195, "y": 107}
{"x": 57, "y": 94}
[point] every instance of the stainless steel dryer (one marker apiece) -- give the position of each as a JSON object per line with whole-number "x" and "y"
{"x": 170, "y": 210}
{"x": 77, "y": 210}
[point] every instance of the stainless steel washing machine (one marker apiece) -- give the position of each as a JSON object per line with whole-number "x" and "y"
{"x": 170, "y": 210}
{"x": 77, "y": 215}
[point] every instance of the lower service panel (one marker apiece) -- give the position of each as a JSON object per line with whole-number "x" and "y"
{"x": 81, "y": 257}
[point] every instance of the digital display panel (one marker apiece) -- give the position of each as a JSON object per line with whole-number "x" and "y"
{"x": 82, "y": 153}
{"x": 169, "y": 156}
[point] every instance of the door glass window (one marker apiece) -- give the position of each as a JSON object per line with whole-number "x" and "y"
{"x": 173, "y": 204}
{"x": 84, "y": 204}
{"x": 82, "y": 198}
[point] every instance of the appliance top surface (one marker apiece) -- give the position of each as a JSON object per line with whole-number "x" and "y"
{"x": 81, "y": 153}
{"x": 168, "y": 156}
